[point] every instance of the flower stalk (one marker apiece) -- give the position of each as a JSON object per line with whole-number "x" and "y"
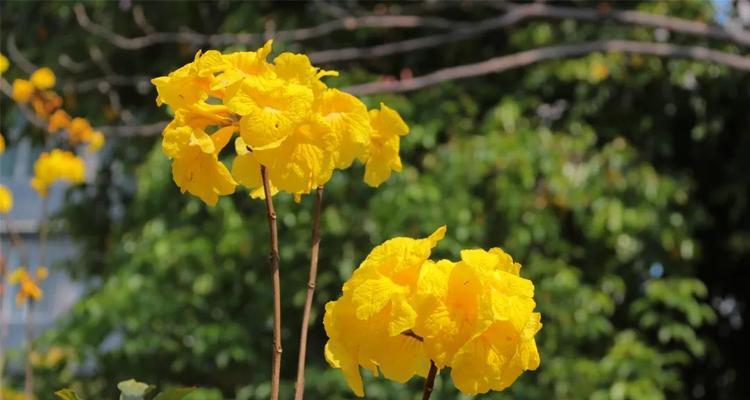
{"x": 276, "y": 285}
{"x": 299, "y": 388}
{"x": 429, "y": 382}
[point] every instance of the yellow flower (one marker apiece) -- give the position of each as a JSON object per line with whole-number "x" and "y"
{"x": 270, "y": 109}
{"x": 57, "y": 165}
{"x": 28, "y": 284}
{"x": 304, "y": 160}
{"x": 246, "y": 170}
{"x": 288, "y": 121}
{"x": 58, "y": 120}
{"x": 196, "y": 168}
{"x": 476, "y": 316}
{"x": 382, "y": 157}
{"x": 366, "y": 325}
{"x": 399, "y": 311}
{"x": 45, "y": 103}
{"x": 43, "y": 78}
{"x": 189, "y": 84}
{"x": 4, "y": 64}
{"x": 350, "y": 123}
{"x": 22, "y": 91}
{"x": 79, "y": 130}
{"x": 6, "y": 200}
{"x": 96, "y": 141}
{"x": 2, "y": 143}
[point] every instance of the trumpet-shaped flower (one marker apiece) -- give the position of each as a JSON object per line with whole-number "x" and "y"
{"x": 196, "y": 168}
{"x": 382, "y": 157}
{"x": 350, "y": 123}
{"x": 57, "y": 165}
{"x": 474, "y": 316}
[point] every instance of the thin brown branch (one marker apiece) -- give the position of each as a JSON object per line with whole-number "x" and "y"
{"x": 101, "y": 84}
{"x": 520, "y": 59}
{"x": 299, "y": 389}
{"x": 3, "y": 320}
{"x": 276, "y": 282}
{"x": 17, "y": 57}
{"x": 517, "y": 14}
{"x": 28, "y": 385}
{"x": 429, "y": 382}
{"x": 198, "y": 39}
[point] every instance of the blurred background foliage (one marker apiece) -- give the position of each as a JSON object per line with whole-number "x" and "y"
{"x": 620, "y": 182}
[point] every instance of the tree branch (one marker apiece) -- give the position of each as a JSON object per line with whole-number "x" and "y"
{"x": 517, "y": 14}
{"x": 222, "y": 39}
{"x": 503, "y": 63}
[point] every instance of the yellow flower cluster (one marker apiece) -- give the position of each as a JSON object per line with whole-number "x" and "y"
{"x": 37, "y": 91}
{"x": 400, "y": 310}
{"x": 286, "y": 119}
{"x": 28, "y": 283}
{"x": 57, "y": 165}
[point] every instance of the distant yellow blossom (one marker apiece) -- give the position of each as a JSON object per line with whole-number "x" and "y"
{"x": 79, "y": 130}
{"x": 58, "y": 120}
{"x": 6, "y": 200}
{"x": 45, "y": 103}
{"x": 2, "y": 143}
{"x": 28, "y": 284}
{"x": 43, "y": 78}
{"x": 4, "y": 64}
{"x": 287, "y": 118}
{"x": 22, "y": 91}
{"x": 96, "y": 141}
{"x": 400, "y": 310}
{"x": 57, "y": 165}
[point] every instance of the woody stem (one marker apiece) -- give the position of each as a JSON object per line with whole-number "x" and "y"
{"x": 429, "y": 383}
{"x": 299, "y": 388}
{"x": 276, "y": 286}
{"x": 43, "y": 235}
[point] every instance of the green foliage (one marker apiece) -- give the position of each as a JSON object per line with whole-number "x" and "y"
{"x": 134, "y": 390}
{"x": 618, "y": 181}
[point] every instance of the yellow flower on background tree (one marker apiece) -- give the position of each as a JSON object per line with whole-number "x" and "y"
{"x": 57, "y": 165}
{"x": 28, "y": 283}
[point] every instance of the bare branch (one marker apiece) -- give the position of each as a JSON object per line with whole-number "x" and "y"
{"x": 112, "y": 80}
{"x": 17, "y": 57}
{"x": 518, "y": 14}
{"x": 349, "y": 23}
{"x": 503, "y": 63}
{"x": 132, "y": 130}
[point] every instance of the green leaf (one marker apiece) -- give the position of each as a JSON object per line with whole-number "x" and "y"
{"x": 133, "y": 390}
{"x": 174, "y": 394}
{"x": 67, "y": 394}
